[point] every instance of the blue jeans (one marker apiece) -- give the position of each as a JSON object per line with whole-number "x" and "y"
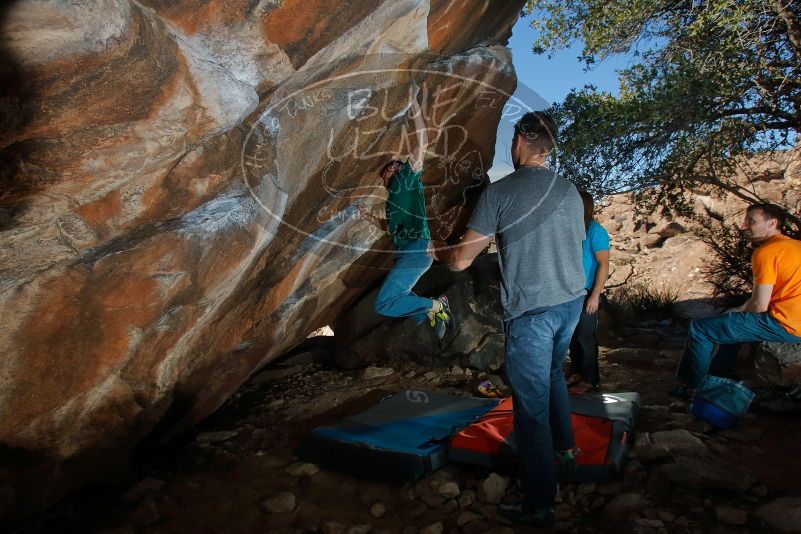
{"x": 396, "y": 298}
{"x": 700, "y": 357}
{"x": 536, "y": 346}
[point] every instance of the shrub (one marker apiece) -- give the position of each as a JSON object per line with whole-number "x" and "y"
{"x": 729, "y": 267}
{"x": 641, "y": 302}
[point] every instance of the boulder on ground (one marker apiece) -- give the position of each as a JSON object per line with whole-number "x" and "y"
{"x": 708, "y": 472}
{"x": 779, "y": 364}
{"x": 783, "y": 514}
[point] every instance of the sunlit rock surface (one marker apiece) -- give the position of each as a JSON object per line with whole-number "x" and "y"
{"x": 180, "y": 185}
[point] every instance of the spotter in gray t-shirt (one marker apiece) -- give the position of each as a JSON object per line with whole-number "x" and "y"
{"x": 537, "y": 217}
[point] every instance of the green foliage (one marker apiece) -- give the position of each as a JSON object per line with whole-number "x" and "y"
{"x": 641, "y": 302}
{"x": 711, "y": 82}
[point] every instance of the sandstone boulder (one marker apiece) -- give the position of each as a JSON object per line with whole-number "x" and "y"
{"x": 181, "y": 182}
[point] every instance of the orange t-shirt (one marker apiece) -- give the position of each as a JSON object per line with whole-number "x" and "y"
{"x": 777, "y": 262}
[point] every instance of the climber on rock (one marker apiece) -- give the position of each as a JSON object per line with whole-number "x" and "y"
{"x": 407, "y": 225}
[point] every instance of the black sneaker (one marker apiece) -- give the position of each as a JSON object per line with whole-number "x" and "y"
{"x": 516, "y": 513}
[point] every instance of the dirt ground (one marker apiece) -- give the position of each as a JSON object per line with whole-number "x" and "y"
{"x": 238, "y": 471}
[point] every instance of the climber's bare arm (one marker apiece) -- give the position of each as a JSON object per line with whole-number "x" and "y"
{"x": 419, "y": 153}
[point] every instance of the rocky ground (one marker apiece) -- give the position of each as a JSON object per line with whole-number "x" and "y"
{"x": 238, "y": 472}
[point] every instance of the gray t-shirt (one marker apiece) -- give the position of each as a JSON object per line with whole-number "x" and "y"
{"x": 537, "y": 217}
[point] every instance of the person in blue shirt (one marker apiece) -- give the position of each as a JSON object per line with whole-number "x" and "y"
{"x": 584, "y": 344}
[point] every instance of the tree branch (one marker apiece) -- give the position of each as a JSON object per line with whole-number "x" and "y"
{"x": 782, "y": 8}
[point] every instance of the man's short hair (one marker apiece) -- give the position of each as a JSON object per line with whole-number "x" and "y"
{"x": 538, "y": 129}
{"x": 771, "y": 212}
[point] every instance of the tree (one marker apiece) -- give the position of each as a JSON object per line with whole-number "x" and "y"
{"x": 712, "y": 84}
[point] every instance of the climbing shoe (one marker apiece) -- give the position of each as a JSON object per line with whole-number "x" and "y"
{"x": 439, "y": 327}
{"x": 488, "y": 389}
{"x": 445, "y": 314}
{"x": 443, "y": 319}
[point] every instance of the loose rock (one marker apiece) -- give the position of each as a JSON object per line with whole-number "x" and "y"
{"x": 434, "y": 528}
{"x": 372, "y": 372}
{"x": 678, "y": 441}
{"x": 378, "y": 510}
{"x": 465, "y": 517}
{"x": 332, "y": 527}
{"x": 146, "y": 486}
{"x": 667, "y": 517}
{"x": 783, "y": 514}
{"x": 731, "y": 516}
{"x": 145, "y": 514}
{"x": 426, "y": 493}
{"x": 613, "y": 487}
{"x": 278, "y": 504}
{"x": 622, "y": 506}
{"x": 650, "y": 523}
{"x": 449, "y": 490}
{"x": 301, "y": 469}
{"x": 493, "y": 488}
{"x": 708, "y": 472}
{"x": 742, "y": 434}
{"x": 466, "y": 498}
{"x": 760, "y": 490}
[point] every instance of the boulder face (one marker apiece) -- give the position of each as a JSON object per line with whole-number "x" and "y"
{"x": 180, "y": 190}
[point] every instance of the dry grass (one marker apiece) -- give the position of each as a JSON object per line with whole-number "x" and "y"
{"x": 640, "y": 302}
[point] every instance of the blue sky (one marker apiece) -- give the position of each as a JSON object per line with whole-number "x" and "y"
{"x": 542, "y": 81}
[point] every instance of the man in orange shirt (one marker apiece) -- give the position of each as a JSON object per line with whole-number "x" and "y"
{"x": 773, "y": 313}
